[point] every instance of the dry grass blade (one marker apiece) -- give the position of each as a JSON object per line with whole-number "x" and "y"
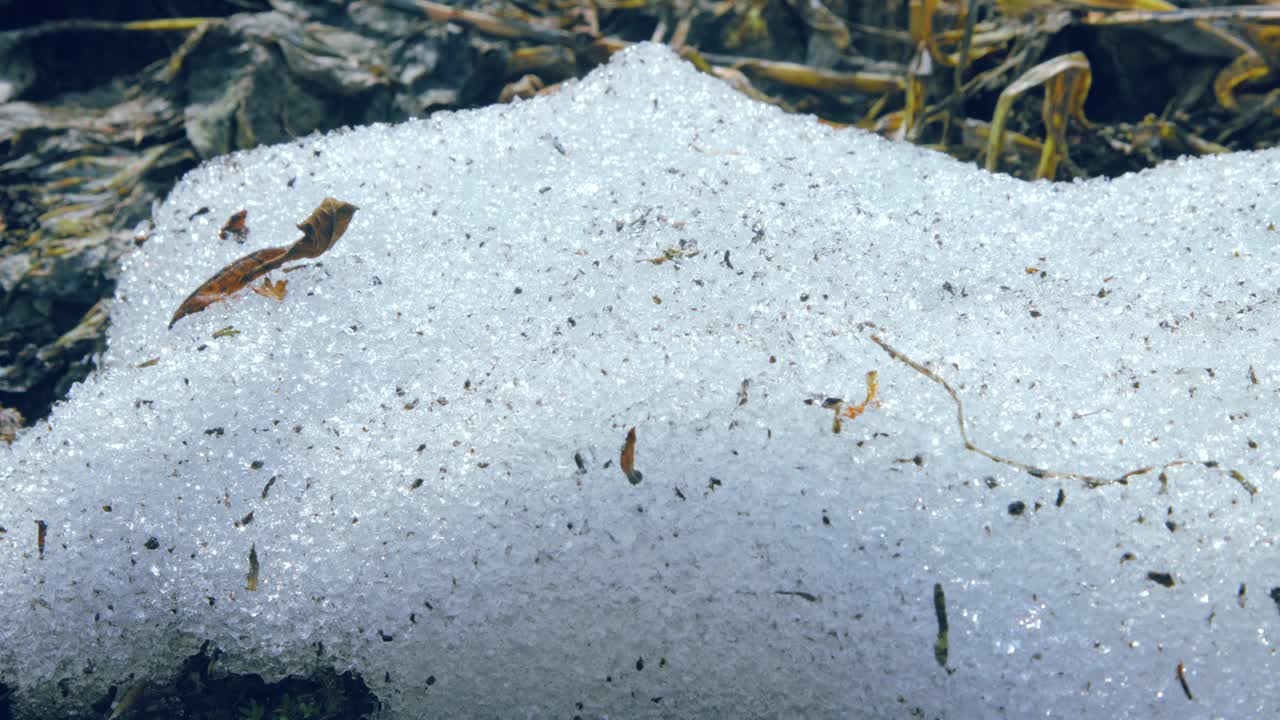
{"x": 1104, "y": 8}
{"x": 1144, "y": 16}
{"x": 922, "y": 31}
{"x": 827, "y": 81}
{"x": 1066, "y": 79}
{"x": 167, "y": 24}
{"x": 556, "y": 60}
{"x": 917, "y": 94}
{"x": 319, "y": 232}
{"x": 482, "y": 22}
{"x": 1247, "y": 67}
{"x": 1143, "y": 5}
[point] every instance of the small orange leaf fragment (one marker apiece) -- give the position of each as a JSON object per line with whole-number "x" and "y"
{"x": 628, "y": 460}
{"x": 873, "y": 386}
{"x": 235, "y": 226}
{"x": 275, "y": 291}
{"x": 319, "y": 232}
{"x": 844, "y": 410}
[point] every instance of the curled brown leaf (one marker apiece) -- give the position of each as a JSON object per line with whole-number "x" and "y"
{"x": 319, "y": 233}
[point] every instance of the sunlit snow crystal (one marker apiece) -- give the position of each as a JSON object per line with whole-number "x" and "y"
{"x": 427, "y": 429}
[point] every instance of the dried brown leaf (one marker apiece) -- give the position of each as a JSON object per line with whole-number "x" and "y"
{"x": 236, "y": 226}
{"x": 628, "y": 460}
{"x": 322, "y": 229}
{"x": 319, "y": 232}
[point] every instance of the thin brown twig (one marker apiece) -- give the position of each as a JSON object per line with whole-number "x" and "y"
{"x": 1091, "y": 481}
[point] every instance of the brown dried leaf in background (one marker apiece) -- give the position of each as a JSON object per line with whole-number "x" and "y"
{"x": 526, "y": 87}
{"x": 273, "y": 290}
{"x": 235, "y": 226}
{"x": 319, "y": 232}
{"x": 11, "y": 420}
